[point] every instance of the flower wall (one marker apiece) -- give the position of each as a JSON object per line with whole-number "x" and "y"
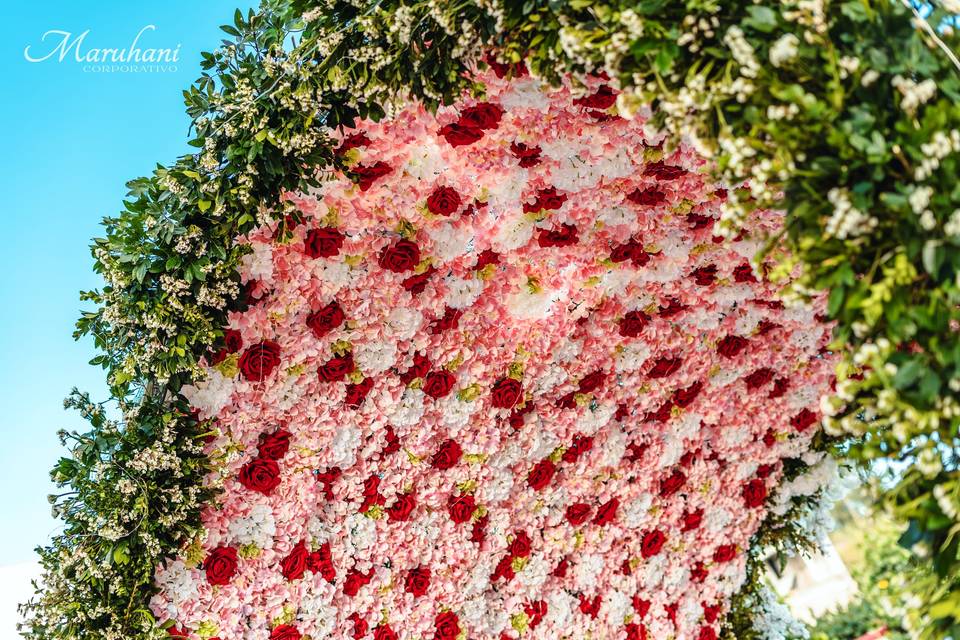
{"x": 500, "y": 380}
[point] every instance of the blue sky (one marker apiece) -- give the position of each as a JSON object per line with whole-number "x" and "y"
{"x": 72, "y": 139}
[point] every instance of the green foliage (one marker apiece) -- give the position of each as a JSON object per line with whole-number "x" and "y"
{"x": 881, "y": 570}
{"x": 824, "y": 110}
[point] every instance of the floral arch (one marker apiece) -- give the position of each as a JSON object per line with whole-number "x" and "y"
{"x": 494, "y": 350}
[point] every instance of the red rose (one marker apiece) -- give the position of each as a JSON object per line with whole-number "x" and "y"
{"x": 780, "y": 386}
{"x": 438, "y": 384}
{"x": 672, "y": 483}
{"x": 633, "y": 323}
{"x": 698, "y": 573}
{"x": 802, "y": 420}
{"x": 285, "y": 632}
{"x": 505, "y": 393}
{"x": 673, "y": 308}
{"x": 232, "y": 340}
{"x": 336, "y": 368}
{"x": 479, "y": 530}
{"x": 649, "y": 197}
{"x": 664, "y": 367}
{"x": 754, "y": 493}
{"x": 536, "y": 611}
{"x": 357, "y": 393}
{"x": 447, "y": 626}
{"x": 641, "y": 606}
{"x": 417, "y": 581}
{"x": 683, "y": 397}
{"x": 604, "y": 98}
{"x": 546, "y": 199}
{"x": 416, "y": 283}
{"x": 541, "y": 474}
{"x": 590, "y": 606}
{"x": 692, "y": 520}
{"x": 501, "y": 69}
{"x": 636, "y": 631}
{"x": 652, "y": 543}
{"x": 744, "y": 273}
{"x": 461, "y": 507}
{"x": 579, "y": 446}
{"x": 323, "y": 242}
{"x": 371, "y": 493}
{"x": 327, "y": 478}
{"x": 698, "y": 221}
{"x": 591, "y": 382}
{"x": 731, "y": 346}
{"x": 353, "y": 141}
{"x": 293, "y": 566}
{"x": 766, "y": 327}
{"x": 360, "y": 626}
{"x": 459, "y": 135}
{"x": 520, "y": 545}
{"x": 220, "y": 565}
{"x": 400, "y": 257}
{"x": 528, "y": 156}
{"x": 567, "y": 401}
{"x": 261, "y": 475}
{"x": 662, "y": 414}
{"x": 384, "y": 632}
{"x": 443, "y": 201}
{"x": 564, "y": 236}
{"x": 321, "y": 561}
{"x": 366, "y": 176}
{"x": 607, "y": 512}
{"x": 326, "y": 319}
{"x": 355, "y": 580}
{"x": 260, "y": 360}
{"x": 707, "y": 633}
{"x": 487, "y": 256}
{"x": 418, "y": 370}
{"x": 663, "y": 171}
{"x": 625, "y": 251}
{"x": 401, "y": 509}
{"x": 705, "y": 276}
{"x": 758, "y": 378}
{"x": 274, "y": 445}
{"x": 725, "y": 553}
{"x": 392, "y": 444}
{"x": 446, "y": 456}
{"x": 483, "y": 115}
{"x": 449, "y": 320}
{"x": 578, "y": 513}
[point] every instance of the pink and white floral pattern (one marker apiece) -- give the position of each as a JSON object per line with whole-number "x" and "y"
{"x": 500, "y": 380}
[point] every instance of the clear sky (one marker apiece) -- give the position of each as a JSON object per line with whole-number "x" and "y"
{"x": 72, "y": 138}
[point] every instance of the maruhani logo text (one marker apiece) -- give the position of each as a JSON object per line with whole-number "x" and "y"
{"x": 58, "y": 45}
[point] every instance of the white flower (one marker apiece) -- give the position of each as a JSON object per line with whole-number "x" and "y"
{"x": 497, "y": 487}
{"x": 524, "y": 93}
{"x": 403, "y": 322}
{"x": 410, "y": 409}
{"x": 257, "y": 527}
{"x": 462, "y": 292}
{"x": 209, "y": 395}
{"x": 344, "y": 446}
{"x": 258, "y": 265}
{"x": 530, "y": 306}
{"x": 176, "y": 581}
{"x": 450, "y": 240}
{"x": 784, "y": 49}
{"x": 375, "y": 357}
{"x": 513, "y": 234}
{"x": 588, "y": 569}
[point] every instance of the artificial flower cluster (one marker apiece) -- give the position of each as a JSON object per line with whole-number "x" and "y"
{"x": 499, "y": 379}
